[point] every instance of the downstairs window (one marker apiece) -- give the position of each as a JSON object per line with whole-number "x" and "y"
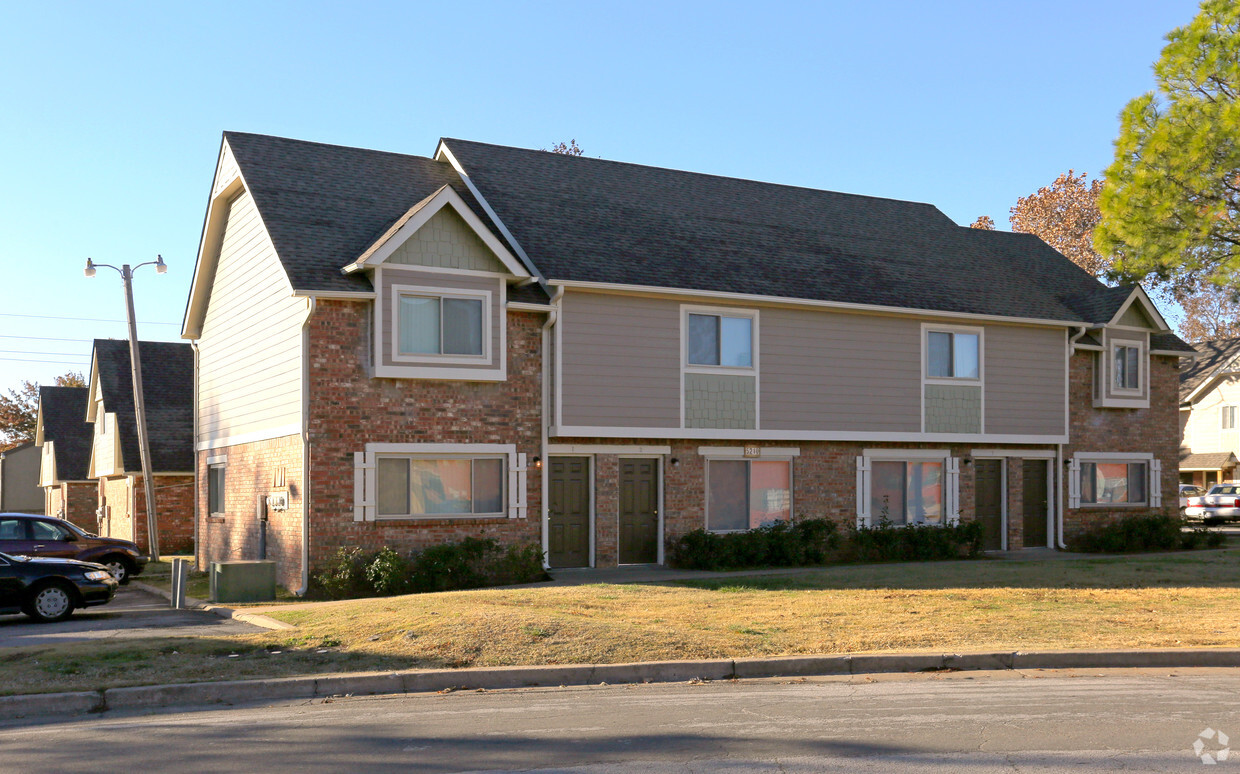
{"x": 744, "y": 494}
{"x": 445, "y": 487}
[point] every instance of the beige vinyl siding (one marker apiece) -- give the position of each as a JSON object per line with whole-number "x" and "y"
{"x": 1204, "y": 433}
{"x": 621, "y": 361}
{"x": 105, "y": 444}
{"x": 250, "y": 348}
{"x": 835, "y": 371}
{"x": 1136, "y": 317}
{"x": 47, "y": 464}
{"x": 1024, "y": 380}
{"x": 393, "y": 275}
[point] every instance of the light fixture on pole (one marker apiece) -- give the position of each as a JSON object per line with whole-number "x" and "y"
{"x": 139, "y": 405}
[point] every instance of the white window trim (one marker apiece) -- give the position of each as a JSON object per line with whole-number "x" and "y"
{"x": 1142, "y": 361}
{"x": 708, "y": 458}
{"x": 951, "y": 484}
{"x": 926, "y": 378}
{"x": 488, "y": 354}
{"x": 717, "y": 311}
{"x": 1153, "y": 479}
{"x": 366, "y": 488}
{"x": 1228, "y": 414}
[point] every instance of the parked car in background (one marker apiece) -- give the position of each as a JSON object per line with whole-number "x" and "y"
{"x": 1221, "y": 504}
{"x": 23, "y": 534}
{"x": 51, "y": 589}
{"x": 1187, "y": 491}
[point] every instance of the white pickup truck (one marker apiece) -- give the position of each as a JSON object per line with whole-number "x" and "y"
{"x": 1219, "y": 505}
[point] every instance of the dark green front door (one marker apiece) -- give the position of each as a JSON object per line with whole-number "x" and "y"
{"x": 989, "y": 498}
{"x": 568, "y": 512}
{"x": 1033, "y": 494}
{"x": 639, "y": 511}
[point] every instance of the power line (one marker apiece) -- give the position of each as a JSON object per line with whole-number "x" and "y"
{"x": 54, "y": 362}
{"x": 42, "y": 338}
{"x": 29, "y": 352}
{"x": 78, "y": 319}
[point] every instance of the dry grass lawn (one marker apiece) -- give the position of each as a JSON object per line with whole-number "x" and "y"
{"x": 1178, "y": 600}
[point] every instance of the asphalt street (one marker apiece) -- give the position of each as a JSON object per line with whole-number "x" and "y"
{"x": 132, "y": 614}
{"x": 1129, "y": 720}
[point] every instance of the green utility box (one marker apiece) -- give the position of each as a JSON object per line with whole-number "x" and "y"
{"x": 243, "y": 581}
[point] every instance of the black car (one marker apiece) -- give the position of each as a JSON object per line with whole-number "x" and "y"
{"x": 51, "y": 589}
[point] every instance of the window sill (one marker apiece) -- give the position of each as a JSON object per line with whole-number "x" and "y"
{"x": 214, "y": 519}
{"x": 1111, "y": 506}
{"x": 444, "y": 517}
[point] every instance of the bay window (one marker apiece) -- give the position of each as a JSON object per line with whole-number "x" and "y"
{"x": 744, "y": 494}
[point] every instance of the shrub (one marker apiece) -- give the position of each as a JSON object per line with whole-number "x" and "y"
{"x": 780, "y": 544}
{"x": 344, "y": 575}
{"x": 470, "y": 564}
{"x": 1144, "y": 532}
{"x": 818, "y": 541}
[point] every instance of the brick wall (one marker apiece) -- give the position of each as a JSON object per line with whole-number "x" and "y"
{"x": 348, "y": 409}
{"x": 73, "y": 501}
{"x": 174, "y": 515}
{"x": 253, "y": 471}
{"x": 1154, "y": 430}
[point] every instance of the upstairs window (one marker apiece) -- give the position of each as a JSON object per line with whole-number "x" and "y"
{"x": 441, "y": 325}
{"x": 720, "y": 340}
{"x": 1228, "y": 415}
{"x": 1127, "y": 368}
{"x": 952, "y": 355}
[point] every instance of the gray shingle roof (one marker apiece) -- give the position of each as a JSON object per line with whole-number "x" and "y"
{"x": 323, "y": 205}
{"x": 1207, "y": 461}
{"x": 63, "y": 412}
{"x": 1213, "y": 356}
{"x": 587, "y": 219}
{"x": 603, "y": 221}
{"x": 167, "y": 387}
{"x": 1170, "y": 342}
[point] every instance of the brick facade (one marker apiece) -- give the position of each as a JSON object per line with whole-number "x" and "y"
{"x": 74, "y": 501}
{"x": 1154, "y": 430}
{"x": 253, "y": 471}
{"x": 125, "y": 500}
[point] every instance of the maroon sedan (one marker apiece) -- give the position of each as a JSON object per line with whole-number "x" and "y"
{"x": 22, "y": 534}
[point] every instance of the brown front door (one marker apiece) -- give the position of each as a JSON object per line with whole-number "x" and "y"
{"x": 568, "y": 512}
{"x": 989, "y": 498}
{"x": 1033, "y": 495}
{"x": 639, "y": 511}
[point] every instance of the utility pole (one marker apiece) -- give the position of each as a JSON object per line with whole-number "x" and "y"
{"x": 139, "y": 405}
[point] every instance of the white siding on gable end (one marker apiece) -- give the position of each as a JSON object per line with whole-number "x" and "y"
{"x": 249, "y": 362}
{"x": 227, "y": 171}
{"x": 446, "y": 241}
{"x": 1204, "y": 433}
{"x": 103, "y": 451}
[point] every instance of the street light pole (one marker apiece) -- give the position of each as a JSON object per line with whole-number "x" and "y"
{"x": 139, "y": 404}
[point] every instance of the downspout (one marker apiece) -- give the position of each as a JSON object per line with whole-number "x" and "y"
{"x": 552, "y": 318}
{"x": 305, "y": 448}
{"x": 197, "y": 543}
{"x": 1061, "y": 479}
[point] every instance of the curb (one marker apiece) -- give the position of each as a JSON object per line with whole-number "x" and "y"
{"x": 495, "y": 678}
{"x": 192, "y": 603}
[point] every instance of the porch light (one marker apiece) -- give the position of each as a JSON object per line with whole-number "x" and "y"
{"x": 538, "y": 463}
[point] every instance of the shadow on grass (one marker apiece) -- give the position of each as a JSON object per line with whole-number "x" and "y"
{"x": 1210, "y": 569}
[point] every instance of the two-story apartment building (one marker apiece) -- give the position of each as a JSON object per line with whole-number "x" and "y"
{"x": 1210, "y": 414}
{"x": 65, "y": 439}
{"x": 599, "y": 357}
{"x": 115, "y": 462}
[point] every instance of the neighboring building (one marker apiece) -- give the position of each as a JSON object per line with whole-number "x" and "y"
{"x": 19, "y": 480}
{"x": 1210, "y": 414}
{"x": 65, "y": 438}
{"x": 598, "y": 357}
{"x": 115, "y": 459}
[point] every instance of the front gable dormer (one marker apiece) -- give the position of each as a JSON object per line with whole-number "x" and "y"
{"x": 441, "y": 282}
{"x": 1122, "y": 363}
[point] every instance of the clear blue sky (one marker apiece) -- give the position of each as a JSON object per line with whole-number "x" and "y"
{"x": 112, "y": 112}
